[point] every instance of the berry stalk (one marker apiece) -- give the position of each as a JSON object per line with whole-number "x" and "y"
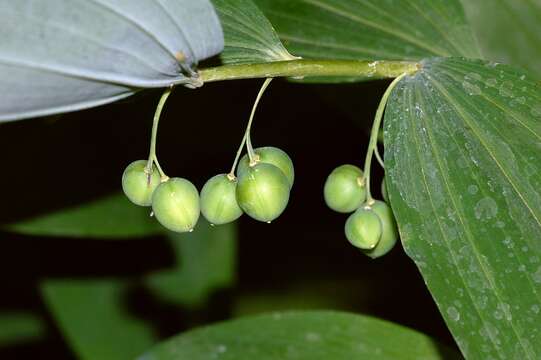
{"x": 374, "y": 136}
{"x": 152, "y": 158}
{"x": 246, "y": 138}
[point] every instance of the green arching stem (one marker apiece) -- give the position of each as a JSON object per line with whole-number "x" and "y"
{"x": 246, "y": 138}
{"x": 374, "y": 136}
{"x": 249, "y": 147}
{"x": 306, "y": 68}
{"x": 378, "y": 156}
{"x": 152, "y": 158}
{"x": 231, "y": 174}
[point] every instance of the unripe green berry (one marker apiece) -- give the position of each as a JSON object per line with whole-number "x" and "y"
{"x": 270, "y": 155}
{"x": 363, "y": 229}
{"x": 384, "y": 190}
{"x": 389, "y": 234}
{"x": 175, "y": 204}
{"x": 344, "y": 190}
{"x": 138, "y": 184}
{"x": 263, "y": 192}
{"x": 218, "y": 200}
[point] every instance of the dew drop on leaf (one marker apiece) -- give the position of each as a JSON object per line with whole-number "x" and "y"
{"x": 486, "y": 209}
{"x": 453, "y": 313}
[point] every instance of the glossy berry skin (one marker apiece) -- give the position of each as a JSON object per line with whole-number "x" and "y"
{"x": 384, "y": 190}
{"x": 344, "y": 189}
{"x": 363, "y": 229}
{"x": 218, "y": 200}
{"x": 389, "y": 234}
{"x": 138, "y": 185}
{"x": 270, "y": 155}
{"x": 263, "y": 192}
{"x": 175, "y": 204}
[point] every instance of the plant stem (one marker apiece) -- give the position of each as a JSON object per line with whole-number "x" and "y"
{"x": 374, "y": 136}
{"x": 378, "y": 156}
{"x": 251, "y": 153}
{"x": 308, "y": 68}
{"x": 152, "y": 158}
{"x": 246, "y": 138}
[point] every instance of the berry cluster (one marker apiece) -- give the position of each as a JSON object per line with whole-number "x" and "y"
{"x": 259, "y": 185}
{"x": 261, "y": 190}
{"x": 371, "y": 227}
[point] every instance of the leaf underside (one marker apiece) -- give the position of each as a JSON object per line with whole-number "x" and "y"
{"x": 59, "y": 56}
{"x": 318, "y": 335}
{"x": 463, "y": 162}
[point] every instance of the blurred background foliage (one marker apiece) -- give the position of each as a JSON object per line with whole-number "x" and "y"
{"x": 122, "y": 283}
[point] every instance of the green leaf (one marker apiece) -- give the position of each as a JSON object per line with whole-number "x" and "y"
{"x": 463, "y": 163}
{"x": 206, "y": 262}
{"x": 58, "y": 56}
{"x": 372, "y": 29}
{"x": 20, "y": 327}
{"x": 92, "y": 315}
{"x": 110, "y": 217}
{"x": 508, "y": 31}
{"x": 249, "y": 36}
{"x": 301, "y": 336}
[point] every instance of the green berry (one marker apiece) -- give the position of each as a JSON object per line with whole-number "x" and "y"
{"x": 175, "y": 204}
{"x": 389, "y": 234}
{"x": 363, "y": 228}
{"x": 263, "y": 192}
{"x": 270, "y": 155}
{"x": 218, "y": 200}
{"x": 384, "y": 190}
{"x": 138, "y": 184}
{"x": 344, "y": 189}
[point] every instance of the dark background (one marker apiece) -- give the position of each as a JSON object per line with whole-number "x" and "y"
{"x": 59, "y": 161}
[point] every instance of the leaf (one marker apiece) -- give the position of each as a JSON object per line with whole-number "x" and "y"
{"x": 59, "y": 56}
{"x": 110, "y": 217}
{"x": 93, "y": 316}
{"x": 463, "y": 163}
{"x": 249, "y": 36}
{"x": 301, "y": 335}
{"x": 206, "y": 262}
{"x": 508, "y": 31}
{"x": 20, "y": 327}
{"x": 372, "y": 29}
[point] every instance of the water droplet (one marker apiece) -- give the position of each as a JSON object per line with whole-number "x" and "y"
{"x": 486, "y": 209}
{"x": 470, "y": 88}
{"x": 312, "y": 337}
{"x": 472, "y": 189}
{"x": 491, "y": 82}
{"x": 537, "y": 275}
{"x": 536, "y": 110}
{"x": 535, "y": 309}
{"x": 453, "y": 313}
{"x": 506, "y": 89}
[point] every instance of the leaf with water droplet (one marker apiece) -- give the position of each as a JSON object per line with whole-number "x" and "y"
{"x": 464, "y": 174}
